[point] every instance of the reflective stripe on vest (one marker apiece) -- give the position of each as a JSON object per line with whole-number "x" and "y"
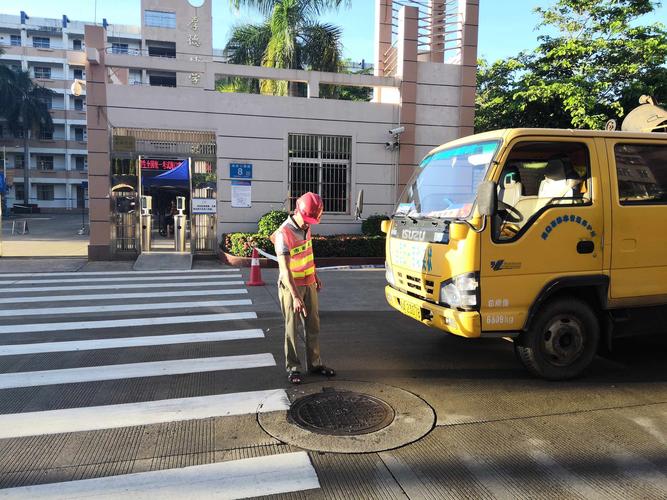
{"x": 302, "y": 260}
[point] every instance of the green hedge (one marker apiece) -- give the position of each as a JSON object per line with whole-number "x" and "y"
{"x": 371, "y": 226}
{"x": 340, "y": 245}
{"x": 270, "y": 222}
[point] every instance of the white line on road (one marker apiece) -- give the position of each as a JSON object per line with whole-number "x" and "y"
{"x": 119, "y": 323}
{"x": 89, "y": 345}
{"x": 15, "y": 425}
{"x": 248, "y": 477}
{"x": 129, "y": 274}
{"x": 133, "y": 370}
{"x": 53, "y": 311}
{"x": 121, "y": 296}
{"x": 125, "y": 286}
{"x": 124, "y": 279}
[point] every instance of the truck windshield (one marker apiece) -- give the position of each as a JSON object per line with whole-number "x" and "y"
{"x": 445, "y": 185}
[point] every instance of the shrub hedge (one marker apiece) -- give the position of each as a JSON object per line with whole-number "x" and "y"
{"x": 340, "y": 245}
{"x": 271, "y": 221}
{"x": 371, "y": 226}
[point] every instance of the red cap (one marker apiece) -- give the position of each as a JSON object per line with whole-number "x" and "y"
{"x": 310, "y": 206}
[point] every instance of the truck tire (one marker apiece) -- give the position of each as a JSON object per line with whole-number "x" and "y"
{"x": 561, "y": 342}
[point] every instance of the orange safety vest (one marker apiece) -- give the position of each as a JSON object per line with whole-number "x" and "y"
{"x": 302, "y": 260}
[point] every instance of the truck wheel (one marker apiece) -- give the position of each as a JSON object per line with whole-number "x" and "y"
{"x": 561, "y": 342}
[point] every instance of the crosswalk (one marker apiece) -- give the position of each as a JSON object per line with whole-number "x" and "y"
{"x": 117, "y": 338}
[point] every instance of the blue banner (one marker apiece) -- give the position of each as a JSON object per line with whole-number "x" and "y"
{"x": 3, "y": 186}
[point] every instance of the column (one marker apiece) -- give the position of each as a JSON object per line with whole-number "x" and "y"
{"x": 437, "y": 20}
{"x": 408, "y": 19}
{"x": 99, "y": 185}
{"x": 470, "y": 11}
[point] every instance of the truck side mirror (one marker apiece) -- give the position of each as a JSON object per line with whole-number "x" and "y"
{"x": 360, "y": 205}
{"x": 487, "y": 198}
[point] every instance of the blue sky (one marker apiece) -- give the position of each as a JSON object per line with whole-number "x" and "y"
{"x": 503, "y": 31}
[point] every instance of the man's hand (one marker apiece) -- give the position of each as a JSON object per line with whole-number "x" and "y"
{"x": 318, "y": 283}
{"x": 299, "y": 306}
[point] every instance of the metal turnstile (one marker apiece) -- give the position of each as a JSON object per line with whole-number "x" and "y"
{"x": 179, "y": 224}
{"x": 146, "y": 223}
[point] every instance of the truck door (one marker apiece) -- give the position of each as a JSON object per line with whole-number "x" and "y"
{"x": 638, "y": 171}
{"x": 549, "y": 225}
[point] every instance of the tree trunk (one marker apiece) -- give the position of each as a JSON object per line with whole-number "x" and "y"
{"x": 26, "y": 168}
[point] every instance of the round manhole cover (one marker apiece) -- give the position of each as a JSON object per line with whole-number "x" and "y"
{"x": 341, "y": 413}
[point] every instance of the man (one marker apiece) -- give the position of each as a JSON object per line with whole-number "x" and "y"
{"x": 298, "y": 285}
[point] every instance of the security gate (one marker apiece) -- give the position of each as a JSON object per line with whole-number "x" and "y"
{"x": 129, "y": 146}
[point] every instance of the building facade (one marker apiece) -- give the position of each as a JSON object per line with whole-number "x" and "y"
{"x": 152, "y": 104}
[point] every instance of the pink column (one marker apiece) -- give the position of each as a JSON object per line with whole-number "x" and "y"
{"x": 383, "y": 21}
{"x": 99, "y": 185}
{"x": 470, "y": 9}
{"x": 408, "y": 19}
{"x": 437, "y": 30}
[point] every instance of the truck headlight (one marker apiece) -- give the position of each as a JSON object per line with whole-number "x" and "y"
{"x": 460, "y": 291}
{"x": 388, "y": 274}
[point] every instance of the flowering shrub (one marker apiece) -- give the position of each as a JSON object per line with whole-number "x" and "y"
{"x": 340, "y": 245}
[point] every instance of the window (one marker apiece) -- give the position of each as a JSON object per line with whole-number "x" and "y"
{"x": 18, "y": 191}
{"x": 15, "y": 40}
{"x": 642, "y": 174}
{"x": 42, "y": 72}
{"x": 78, "y": 74}
{"x": 18, "y": 161}
{"x": 167, "y": 80}
{"x": 538, "y": 175}
{"x": 164, "y": 49}
{"x": 45, "y": 135}
{"x": 321, "y": 164}
{"x": 45, "y": 163}
{"x": 45, "y": 192}
{"x": 41, "y": 42}
{"x": 77, "y": 45}
{"x": 119, "y": 48}
{"x": 81, "y": 163}
{"x": 79, "y": 134}
{"x": 78, "y": 104}
{"x": 159, "y": 19}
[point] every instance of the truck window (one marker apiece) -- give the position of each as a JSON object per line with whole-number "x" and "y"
{"x": 537, "y": 176}
{"x": 641, "y": 170}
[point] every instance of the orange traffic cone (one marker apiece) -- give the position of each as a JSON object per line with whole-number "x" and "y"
{"x": 255, "y": 270}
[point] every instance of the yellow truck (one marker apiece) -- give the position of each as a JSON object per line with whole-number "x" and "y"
{"x": 556, "y": 239}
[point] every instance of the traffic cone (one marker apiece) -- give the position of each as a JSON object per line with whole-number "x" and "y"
{"x": 255, "y": 270}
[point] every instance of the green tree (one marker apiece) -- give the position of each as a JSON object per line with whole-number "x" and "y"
{"x": 24, "y": 106}
{"x": 587, "y": 69}
{"x": 290, "y": 38}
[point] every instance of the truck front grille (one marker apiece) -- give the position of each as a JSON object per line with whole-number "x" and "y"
{"x": 416, "y": 284}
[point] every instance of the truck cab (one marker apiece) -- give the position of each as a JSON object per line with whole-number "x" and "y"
{"x": 552, "y": 238}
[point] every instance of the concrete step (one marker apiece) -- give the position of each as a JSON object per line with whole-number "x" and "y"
{"x": 162, "y": 261}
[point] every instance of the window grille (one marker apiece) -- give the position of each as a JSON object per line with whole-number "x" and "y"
{"x": 77, "y": 45}
{"x": 15, "y": 40}
{"x": 119, "y": 48}
{"x": 45, "y": 192}
{"x": 81, "y": 163}
{"x": 41, "y": 42}
{"x": 18, "y": 161}
{"x": 42, "y": 72}
{"x": 46, "y": 135}
{"x": 45, "y": 162}
{"x": 78, "y": 104}
{"x": 321, "y": 164}
{"x": 158, "y": 19}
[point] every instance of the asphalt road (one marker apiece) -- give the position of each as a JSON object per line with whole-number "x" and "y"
{"x": 135, "y": 390}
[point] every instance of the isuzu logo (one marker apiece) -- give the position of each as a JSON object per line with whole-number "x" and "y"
{"x": 413, "y": 234}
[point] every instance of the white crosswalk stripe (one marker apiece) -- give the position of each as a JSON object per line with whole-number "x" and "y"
{"x": 23, "y": 299}
{"x": 155, "y": 306}
{"x": 249, "y": 477}
{"x": 123, "y": 286}
{"x": 133, "y": 370}
{"x": 90, "y": 313}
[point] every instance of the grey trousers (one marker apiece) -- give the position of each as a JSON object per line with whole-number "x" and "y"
{"x": 292, "y": 323}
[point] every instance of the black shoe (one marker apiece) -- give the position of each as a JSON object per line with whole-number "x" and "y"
{"x": 294, "y": 377}
{"x": 323, "y": 370}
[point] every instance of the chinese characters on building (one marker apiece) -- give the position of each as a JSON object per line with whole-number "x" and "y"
{"x": 193, "y": 41}
{"x": 152, "y": 164}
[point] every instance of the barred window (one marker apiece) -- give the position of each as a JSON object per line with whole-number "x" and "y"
{"x": 42, "y": 72}
{"x": 41, "y": 42}
{"x": 45, "y": 163}
{"x": 45, "y": 192}
{"x": 321, "y": 164}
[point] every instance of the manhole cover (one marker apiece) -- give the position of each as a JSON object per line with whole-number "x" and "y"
{"x": 341, "y": 413}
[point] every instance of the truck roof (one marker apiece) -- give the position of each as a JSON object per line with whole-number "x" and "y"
{"x": 508, "y": 134}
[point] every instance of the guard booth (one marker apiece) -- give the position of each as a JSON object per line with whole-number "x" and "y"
{"x": 163, "y": 192}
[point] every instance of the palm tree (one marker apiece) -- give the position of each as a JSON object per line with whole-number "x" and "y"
{"x": 290, "y": 37}
{"x": 24, "y": 105}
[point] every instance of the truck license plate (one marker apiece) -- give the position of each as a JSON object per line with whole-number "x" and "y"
{"x": 412, "y": 310}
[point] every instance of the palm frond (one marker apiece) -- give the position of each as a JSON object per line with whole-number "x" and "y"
{"x": 248, "y": 43}
{"x": 321, "y": 46}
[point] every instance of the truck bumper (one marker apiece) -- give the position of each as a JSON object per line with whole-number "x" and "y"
{"x": 462, "y": 323}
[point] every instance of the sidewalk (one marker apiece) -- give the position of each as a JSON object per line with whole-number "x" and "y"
{"x": 48, "y": 235}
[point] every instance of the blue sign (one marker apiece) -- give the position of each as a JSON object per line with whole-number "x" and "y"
{"x": 2, "y": 184}
{"x": 84, "y": 185}
{"x": 240, "y": 170}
